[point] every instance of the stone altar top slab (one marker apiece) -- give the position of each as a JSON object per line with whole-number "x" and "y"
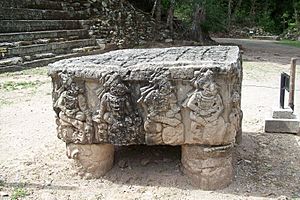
{"x": 176, "y": 59}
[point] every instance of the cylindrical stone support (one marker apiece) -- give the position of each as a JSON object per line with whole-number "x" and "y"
{"x": 94, "y": 160}
{"x": 208, "y": 168}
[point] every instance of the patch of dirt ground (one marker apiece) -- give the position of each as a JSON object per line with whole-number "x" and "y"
{"x": 33, "y": 163}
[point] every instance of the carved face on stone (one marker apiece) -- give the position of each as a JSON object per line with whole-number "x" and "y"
{"x": 88, "y": 129}
{"x": 210, "y": 89}
{"x": 165, "y": 87}
{"x": 117, "y": 105}
{"x": 235, "y": 98}
{"x": 66, "y": 78}
{"x": 65, "y": 133}
{"x": 118, "y": 90}
{"x": 82, "y": 103}
{"x": 102, "y": 126}
{"x": 74, "y": 88}
{"x": 70, "y": 101}
{"x": 202, "y": 78}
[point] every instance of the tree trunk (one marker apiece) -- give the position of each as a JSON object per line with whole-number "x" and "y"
{"x": 196, "y": 32}
{"x": 297, "y": 14}
{"x": 171, "y": 17}
{"x": 236, "y": 9}
{"x": 158, "y": 11}
{"x": 154, "y": 8}
{"x": 229, "y": 14}
{"x": 253, "y": 11}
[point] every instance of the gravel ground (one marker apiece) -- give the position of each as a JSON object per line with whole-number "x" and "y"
{"x": 33, "y": 163}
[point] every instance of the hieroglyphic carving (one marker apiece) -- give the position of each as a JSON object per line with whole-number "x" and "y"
{"x": 73, "y": 115}
{"x": 163, "y": 119}
{"x": 117, "y": 120}
{"x": 206, "y": 106}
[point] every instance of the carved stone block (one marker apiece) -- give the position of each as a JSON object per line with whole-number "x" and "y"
{"x": 174, "y": 96}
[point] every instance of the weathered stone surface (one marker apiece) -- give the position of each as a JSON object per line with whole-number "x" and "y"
{"x": 282, "y": 121}
{"x": 93, "y": 160}
{"x": 273, "y": 125}
{"x": 286, "y": 113}
{"x": 186, "y": 96}
{"x": 209, "y": 168}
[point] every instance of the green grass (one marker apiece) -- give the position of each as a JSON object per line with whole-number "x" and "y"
{"x": 4, "y": 102}
{"x": 290, "y": 43}
{"x": 33, "y": 71}
{"x": 18, "y": 193}
{"x": 12, "y": 85}
{"x": 2, "y": 183}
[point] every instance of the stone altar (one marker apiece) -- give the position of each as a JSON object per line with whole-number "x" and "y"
{"x": 188, "y": 96}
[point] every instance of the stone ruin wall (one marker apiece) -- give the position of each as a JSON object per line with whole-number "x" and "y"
{"x": 117, "y": 21}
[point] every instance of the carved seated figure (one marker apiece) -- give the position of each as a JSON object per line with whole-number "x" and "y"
{"x": 163, "y": 121}
{"x": 205, "y": 103}
{"x": 117, "y": 116}
{"x": 74, "y": 124}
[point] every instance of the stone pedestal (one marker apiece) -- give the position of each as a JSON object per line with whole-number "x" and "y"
{"x": 188, "y": 96}
{"x": 93, "y": 160}
{"x": 283, "y": 121}
{"x": 209, "y": 168}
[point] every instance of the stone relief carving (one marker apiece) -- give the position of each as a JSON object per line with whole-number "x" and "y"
{"x": 163, "y": 96}
{"x": 236, "y": 115}
{"x": 117, "y": 120}
{"x": 206, "y": 106}
{"x": 73, "y": 115}
{"x": 163, "y": 118}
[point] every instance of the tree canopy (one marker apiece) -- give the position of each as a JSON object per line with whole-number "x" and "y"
{"x": 273, "y": 16}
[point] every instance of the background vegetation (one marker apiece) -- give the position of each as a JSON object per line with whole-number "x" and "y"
{"x": 272, "y": 16}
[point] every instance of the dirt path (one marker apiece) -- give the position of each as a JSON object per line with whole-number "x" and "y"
{"x": 33, "y": 161}
{"x": 263, "y": 50}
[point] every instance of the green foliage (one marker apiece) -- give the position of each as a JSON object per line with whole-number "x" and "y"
{"x": 18, "y": 193}
{"x": 290, "y": 43}
{"x": 273, "y": 16}
{"x": 214, "y": 11}
{"x": 242, "y": 18}
{"x": 215, "y": 16}
{"x": 12, "y": 85}
{"x": 4, "y": 102}
{"x": 165, "y": 4}
{"x": 184, "y": 12}
{"x": 2, "y": 183}
{"x": 33, "y": 71}
{"x": 268, "y": 23}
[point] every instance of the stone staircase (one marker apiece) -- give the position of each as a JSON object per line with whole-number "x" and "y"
{"x": 35, "y": 33}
